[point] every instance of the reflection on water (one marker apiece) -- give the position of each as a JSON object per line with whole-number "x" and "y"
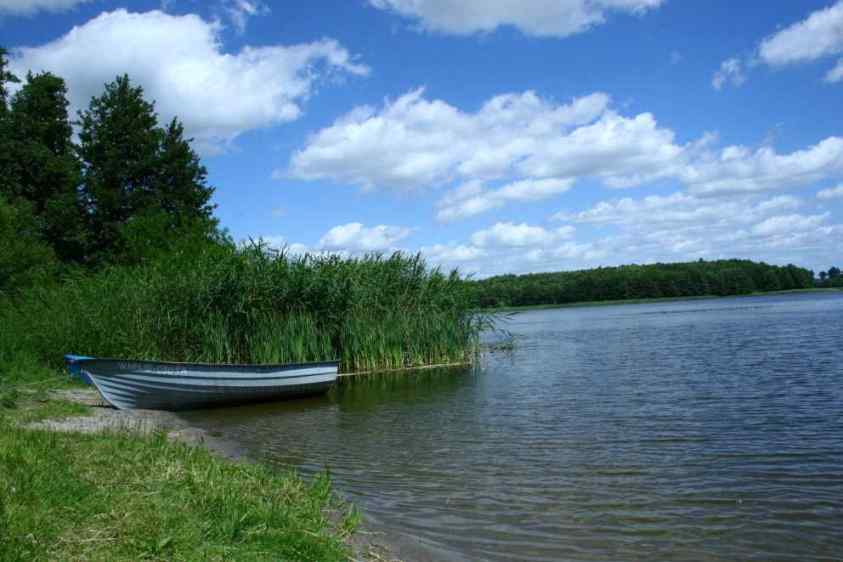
{"x": 699, "y": 430}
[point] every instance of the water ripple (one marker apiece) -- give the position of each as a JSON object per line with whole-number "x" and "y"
{"x": 704, "y": 431}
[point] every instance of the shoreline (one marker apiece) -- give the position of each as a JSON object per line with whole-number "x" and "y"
{"x": 365, "y": 543}
{"x": 652, "y": 300}
{"x": 101, "y": 417}
{"x": 404, "y": 369}
{"x": 61, "y": 407}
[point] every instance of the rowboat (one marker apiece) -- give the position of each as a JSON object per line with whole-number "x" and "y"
{"x": 154, "y": 385}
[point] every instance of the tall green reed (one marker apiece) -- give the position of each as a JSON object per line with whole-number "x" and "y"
{"x": 252, "y": 305}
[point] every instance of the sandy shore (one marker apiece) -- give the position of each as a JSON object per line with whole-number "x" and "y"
{"x": 103, "y": 417}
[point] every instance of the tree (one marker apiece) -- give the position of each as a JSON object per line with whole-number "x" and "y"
{"x": 723, "y": 277}
{"x": 770, "y": 281}
{"x": 132, "y": 168}
{"x": 833, "y": 272}
{"x": 6, "y": 77}
{"x": 181, "y": 187}
{"x": 25, "y": 260}
{"x": 45, "y": 169}
{"x": 6, "y": 153}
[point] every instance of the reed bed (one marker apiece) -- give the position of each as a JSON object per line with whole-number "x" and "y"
{"x": 251, "y": 305}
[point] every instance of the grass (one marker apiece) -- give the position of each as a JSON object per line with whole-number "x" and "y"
{"x": 249, "y": 306}
{"x": 119, "y": 496}
{"x": 651, "y": 300}
{"x": 47, "y": 409}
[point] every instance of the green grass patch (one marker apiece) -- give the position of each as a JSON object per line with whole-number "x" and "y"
{"x": 123, "y": 497}
{"x": 39, "y": 409}
{"x": 25, "y": 386}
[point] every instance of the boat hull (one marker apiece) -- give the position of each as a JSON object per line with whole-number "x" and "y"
{"x": 151, "y": 385}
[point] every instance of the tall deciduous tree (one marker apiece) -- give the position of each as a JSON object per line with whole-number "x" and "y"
{"x": 133, "y": 169}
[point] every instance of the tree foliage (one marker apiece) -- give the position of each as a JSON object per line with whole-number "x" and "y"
{"x": 6, "y": 77}
{"x": 133, "y": 169}
{"x": 25, "y": 259}
{"x": 45, "y": 171}
{"x": 831, "y": 278}
{"x": 128, "y": 191}
{"x": 6, "y": 153}
{"x": 723, "y": 277}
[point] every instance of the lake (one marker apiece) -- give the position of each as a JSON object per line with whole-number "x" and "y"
{"x": 688, "y": 430}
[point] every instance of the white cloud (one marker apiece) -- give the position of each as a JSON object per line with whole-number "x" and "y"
{"x": 536, "y": 148}
{"x": 787, "y": 224}
{"x": 811, "y": 243}
{"x": 508, "y": 247}
{"x": 730, "y": 72}
{"x": 680, "y": 209}
{"x": 675, "y": 227}
{"x": 622, "y": 151}
{"x": 280, "y": 243}
{"x": 239, "y": 12}
{"x": 817, "y": 36}
{"x": 349, "y": 239}
{"x": 356, "y": 237}
{"x": 452, "y": 253}
{"x": 831, "y": 193}
{"x": 277, "y": 242}
{"x": 681, "y": 227}
{"x": 473, "y": 199}
{"x": 29, "y": 7}
{"x": 542, "y": 18}
{"x": 740, "y": 169}
{"x": 494, "y": 260}
{"x": 517, "y": 235}
{"x": 180, "y": 62}
{"x": 413, "y": 142}
{"x": 836, "y": 73}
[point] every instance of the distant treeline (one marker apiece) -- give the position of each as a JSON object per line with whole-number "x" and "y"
{"x": 699, "y": 278}
{"x": 831, "y": 278}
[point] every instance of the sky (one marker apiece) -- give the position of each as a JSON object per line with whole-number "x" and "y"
{"x": 493, "y": 136}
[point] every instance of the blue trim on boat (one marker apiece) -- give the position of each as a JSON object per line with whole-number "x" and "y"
{"x": 74, "y": 367}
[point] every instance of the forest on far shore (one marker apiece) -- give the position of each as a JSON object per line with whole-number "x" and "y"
{"x": 660, "y": 280}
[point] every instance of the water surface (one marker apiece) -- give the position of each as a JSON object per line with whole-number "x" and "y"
{"x": 695, "y": 430}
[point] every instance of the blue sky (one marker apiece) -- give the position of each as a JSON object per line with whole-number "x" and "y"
{"x": 492, "y": 135}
